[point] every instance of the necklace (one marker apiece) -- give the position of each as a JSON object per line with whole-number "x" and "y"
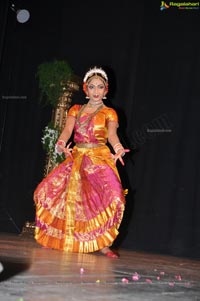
{"x": 90, "y": 116}
{"x": 92, "y": 105}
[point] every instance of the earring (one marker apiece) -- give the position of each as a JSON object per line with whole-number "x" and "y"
{"x": 104, "y": 97}
{"x": 87, "y": 97}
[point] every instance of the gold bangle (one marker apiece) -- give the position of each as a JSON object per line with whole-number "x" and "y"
{"x": 118, "y": 149}
{"x": 116, "y": 145}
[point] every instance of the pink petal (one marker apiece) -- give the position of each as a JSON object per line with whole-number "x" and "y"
{"x": 178, "y": 277}
{"x": 125, "y": 280}
{"x": 135, "y": 277}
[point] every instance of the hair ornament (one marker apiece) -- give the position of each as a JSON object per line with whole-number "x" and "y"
{"x": 95, "y": 71}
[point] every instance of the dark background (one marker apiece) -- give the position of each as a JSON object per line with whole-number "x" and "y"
{"x": 153, "y": 61}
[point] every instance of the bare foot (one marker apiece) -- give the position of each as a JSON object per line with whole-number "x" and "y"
{"x": 107, "y": 251}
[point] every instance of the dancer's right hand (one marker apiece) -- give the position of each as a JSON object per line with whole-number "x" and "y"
{"x": 60, "y": 146}
{"x": 68, "y": 151}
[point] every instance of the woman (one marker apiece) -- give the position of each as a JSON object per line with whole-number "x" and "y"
{"x": 80, "y": 204}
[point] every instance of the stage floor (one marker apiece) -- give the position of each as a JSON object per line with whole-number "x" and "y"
{"x": 33, "y": 273}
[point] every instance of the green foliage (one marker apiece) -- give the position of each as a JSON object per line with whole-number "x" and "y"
{"x": 51, "y": 75}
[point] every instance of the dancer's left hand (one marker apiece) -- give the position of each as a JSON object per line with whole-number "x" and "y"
{"x": 120, "y": 154}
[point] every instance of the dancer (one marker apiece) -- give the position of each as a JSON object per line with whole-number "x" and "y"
{"x": 80, "y": 204}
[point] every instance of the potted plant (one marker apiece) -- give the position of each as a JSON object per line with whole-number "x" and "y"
{"x": 51, "y": 76}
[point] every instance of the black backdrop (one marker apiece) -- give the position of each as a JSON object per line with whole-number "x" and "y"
{"x": 153, "y": 61}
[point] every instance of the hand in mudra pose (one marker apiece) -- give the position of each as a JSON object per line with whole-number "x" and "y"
{"x": 119, "y": 155}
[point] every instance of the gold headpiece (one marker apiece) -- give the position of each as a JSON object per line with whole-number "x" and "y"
{"x": 95, "y": 72}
